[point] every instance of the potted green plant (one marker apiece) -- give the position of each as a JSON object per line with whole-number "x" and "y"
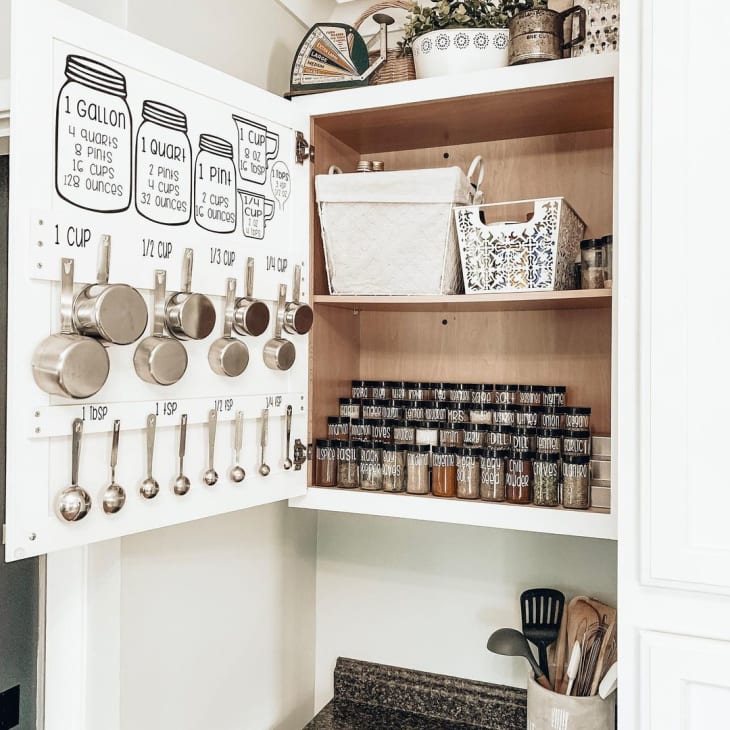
{"x": 537, "y": 33}
{"x": 456, "y": 37}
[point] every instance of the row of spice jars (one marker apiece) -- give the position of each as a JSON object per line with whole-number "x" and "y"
{"x": 531, "y": 395}
{"x": 518, "y": 477}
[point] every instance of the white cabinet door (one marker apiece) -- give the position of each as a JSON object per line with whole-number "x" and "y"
{"x": 114, "y": 136}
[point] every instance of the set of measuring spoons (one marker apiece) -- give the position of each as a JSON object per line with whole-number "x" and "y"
{"x": 74, "y": 502}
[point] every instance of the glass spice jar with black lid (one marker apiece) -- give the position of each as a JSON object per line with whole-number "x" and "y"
{"x": 413, "y": 410}
{"x": 338, "y": 428}
{"x": 482, "y": 413}
{"x": 549, "y": 441}
{"x": 577, "y": 443}
{"x": 493, "y": 469}
{"x": 397, "y": 389}
{"x": 460, "y": 392}
{"x": 500, "y": 437}
{"x": 458, "y": 412}
{"x": 361, "y": 429}
{"x": 404, "y": 432}
{"x": 418, "y": 459}
{"x": 360, "y": 389}
{"x": 592, "y": 266}
{"x": 434, "y": 410}
{"x": 519, "y": 477}
{"x": 524, "y": 439}
{"x": 373, "y": 408}
{"x": 392, "y": 409}
{"x": 443, "y": 471}
{"x": 468, "y": 473}
{"x": 546, "y": 480}
{"x": 379, "y": 389}
{"x": 394, "y": 467}
{"x": 505, "y": 393}
{"x": 440, "y": 391}
{"x": 325, "y": 454}
{"x": 371, "y": 468}
{"x": 382, "y": 430}
{"x": 553, "y": 417}
{"x": 554, "y": 395}
{"x": 505, "y": 414}
{"x": 483, "y": 393}
{"x": 531, "y": 395}
{"x": 418, "y": 391}
{"x": 427, "y": 433}
{"x": 577, "y": 418}
{"x": 528, "y": 416}
{"x": 576, "y": 482}
{"x": 350, "y": 408}
{"x": 348, "y": 464}
{"x": 451, "y": 434}
{"x": 475, "y": 435}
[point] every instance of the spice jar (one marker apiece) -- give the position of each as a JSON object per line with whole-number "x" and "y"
{"x": 519, "y": 477}
{"x": 468, "y": 473}
{"x": 440, "y": 391}
{"x": 404, "y": 432}
{"x": 379, "y": 389}
{"x": 576, "y": 482}
{"x": 500, "y": 437}
{"x": 360, "y": 389}
{"x": 458, "y": 412}
{"x": 528, "y": 416}
{"x": 338, "y": 428}
{"x": 373, "y": 408}
{"x": 427, "y": 433}
{"x": 361, "y": 429}
{"x": 443, "y": 472}
{"x": 577, "y": 443}
{"x": 350, "y": 407}
{"x": 505, "y": 394}
{"x": 394, "y": 468}
{"x": 417, "y": 471}
{"x": 483, "y": 393}
{"x": 505, "y": 414}
{"x": 371, "y": 470}
{"x": 474, "y": 435}
{"x": 382, "y": 431}
{"x": 348, "y": 468}
{"x": 325, "y": 473}
{"x": 546, "y": 480}
{"x": 549, "y": 441}
{"x": 413, "y": 410}
{"x": 418, "y": 391}
{"x": 531, "y": 395}
{"x": 493, "y": 466}
{"x": 451, "y": 434}
{"x": 577, "y": 418}
{"x": 397, "y": 389}
{"x": 460, "y": 392}
{"x": 552, "y": 418}
{"x": 554, "y": 395}
{"x": 434, "y": 411}
{"x": 393, "y": 409}
{"x": 607, "y": 242}
{"x": 524, "y": 439}
{"x": 592, "y": 271}
{"x": 481, "y": 413}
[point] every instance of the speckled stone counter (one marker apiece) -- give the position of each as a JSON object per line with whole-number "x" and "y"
{"x": 375, "y": 696}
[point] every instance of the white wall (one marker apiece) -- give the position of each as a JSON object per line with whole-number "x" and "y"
{"x": 427, "y": 596}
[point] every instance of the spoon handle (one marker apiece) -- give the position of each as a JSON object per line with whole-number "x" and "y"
{"x": 288, "y": 430}
{"x": 238, "y": 439}
{"x": 183, "y": 438}
{"x": 115, "y": 448}
{"x": 151, "y": 426}
{"x": 212, "y": 420}
{"x": 77, "y": 430}
{"x": 264, "y": 434}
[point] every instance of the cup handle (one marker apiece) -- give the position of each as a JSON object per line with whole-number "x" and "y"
{"x": 574, "y": 41}
{"x": 269, "y": 210}
{"x": 272, "y": 137}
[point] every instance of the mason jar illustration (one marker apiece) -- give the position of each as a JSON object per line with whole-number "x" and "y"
{"x": 94, "y": 137}
{"x": 215, "y": 185}
{"x": 163, "y": 168}
{"x": 257, "y": 146}
{"x": 256, "y": 212}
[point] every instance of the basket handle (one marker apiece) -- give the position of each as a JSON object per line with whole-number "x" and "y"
{"x": 476, "y": 170}
{"x": 392, "y": 5}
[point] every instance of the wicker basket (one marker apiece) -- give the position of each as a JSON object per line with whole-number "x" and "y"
{"x": 396, "y": 66}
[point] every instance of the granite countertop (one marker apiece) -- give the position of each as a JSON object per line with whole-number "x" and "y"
{"x": 375, "y": 696}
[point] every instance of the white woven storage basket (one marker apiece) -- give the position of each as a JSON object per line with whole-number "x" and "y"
{"x": 393, "y": 233}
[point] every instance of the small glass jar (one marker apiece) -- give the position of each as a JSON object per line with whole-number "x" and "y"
{"x": 360, "y": 389}
{"x": 519, "y": 477}
{"x": 373, "y": 408}
{"x": 451, "y": 435}
{"x": 325, "y": 473}
{"x": 531, "y": 395}
{"x": 505, "y": 415}
{"x": 413, "y": 410}
{"x": 460, "y": 392}
{"x": 592, "y": 269}
{"x": 500, "y": 437}
{"x": 549, "y": 441}
{"x": 443, "y": 472}
{"x": 361, "y": 429}
{"x": 348, "y": 464}
{"x": 475, "y": 435}
{"x": 505, "y": 393}
{"x": 434, "y": 410}
{"x": 458, "y": 413}
{"x": 528, "y": 416}
{"x": 483, "y": 394}
{"x": 440, "y": 391}
{"x": 577, "y": 418}
{"x": 552, "y": 418}
{"x": 350, "y": 408}
{"x": 427, "y": 433}
{"x": 524, "y": 439}
{"x": 576, "y": 482}
{"x": 577, "y": 443}
{"x": 482, "y": 413}
{"x": 397, "y": 389}
{"x": 393, "y": 409}
{"x": 371, "y": 469}
{"x": 338, "y": 428}
{"x": 546, "y": 470}
{"x": 417, "y": 469}
{"x": 493, "y": 468}
{"x": 379, "y": 389}
{"x": 394, "y": 468}
{"x": 404, "y": 433}
{"x": 382, "y": 431}
{"x": 607, "y": 242}
{"x": 554, "y": 395}
{"x": 468, "y": 473}
{"x": 418, "y": 391}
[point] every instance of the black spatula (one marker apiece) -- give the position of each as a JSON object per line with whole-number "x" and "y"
{"x": 542, "y": 611}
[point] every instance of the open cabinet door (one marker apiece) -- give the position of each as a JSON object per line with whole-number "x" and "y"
{"x": 112, "y": 136}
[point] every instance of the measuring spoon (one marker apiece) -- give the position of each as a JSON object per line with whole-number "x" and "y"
{"x": 227, "y": 355}
{"x": 182, "y": 483}
{"x": 189, "y": 316}
{"x": 287, "y": 461}
{"x": 159, "y": 359}
{"x": 74, "y": 502}
{"x": 251, "y": 316}
{"x": 114, "y": 495}
{"x": 211, "y": 475}
{"x": 279, "y": 354}
{"x": 237, "y": 472}
{"x": 264, "y": 469}
{"x": 298, "y": 317}
{"x": 149, "y": 487}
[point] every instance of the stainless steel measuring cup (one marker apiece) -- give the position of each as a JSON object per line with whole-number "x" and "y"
{"x": 227, "y": 355}
{"x": 116, "y": 313}
{"x": 251, "y": 316}
{"x": 67, "y": 363}
{"x": 279, "y": 354}
{"x": 160, "y": 359}
{"x": 189, "y": 316}
{"x": 298, "y": 317}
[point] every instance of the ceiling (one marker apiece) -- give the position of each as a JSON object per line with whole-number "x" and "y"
{"x": 310, "y": 12}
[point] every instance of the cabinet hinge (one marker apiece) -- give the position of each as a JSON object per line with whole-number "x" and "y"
{"x": 305, "y": 151}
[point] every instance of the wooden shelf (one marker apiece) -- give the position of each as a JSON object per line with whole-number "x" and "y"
{"x": 591, "y": 523}
{"x": 512, "y": 301}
